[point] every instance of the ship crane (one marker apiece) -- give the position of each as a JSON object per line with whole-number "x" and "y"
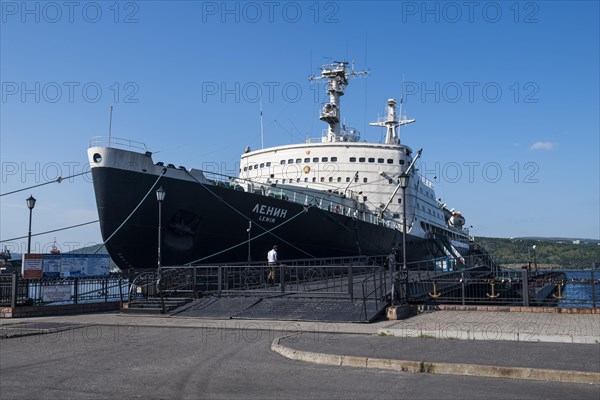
{"x": 398, "y": 186}
{"x": 337, "y": 81}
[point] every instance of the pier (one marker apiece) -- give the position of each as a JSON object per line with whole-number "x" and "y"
{"x": 351, "y": 289}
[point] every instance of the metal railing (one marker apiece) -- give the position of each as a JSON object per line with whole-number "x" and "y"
{"x": 16, "y": 291}
{"x": 477, "y": 286}
{"x": 118, "y": 143}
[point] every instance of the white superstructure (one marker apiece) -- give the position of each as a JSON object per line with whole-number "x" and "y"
{"x": 358, "y": 179}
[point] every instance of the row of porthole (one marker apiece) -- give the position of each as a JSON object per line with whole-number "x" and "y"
{"x": 434, "y": 213}
{"x": 314, "y": 179}
{"x": 307, "y": 160}
{"x": 323, "y": 159}
{"x": 334, "y": 159}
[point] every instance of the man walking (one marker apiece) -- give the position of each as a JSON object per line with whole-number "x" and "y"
{"x": 272, "y": 261}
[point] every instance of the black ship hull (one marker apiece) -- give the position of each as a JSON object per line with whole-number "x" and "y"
{"x": 205, "y": 223}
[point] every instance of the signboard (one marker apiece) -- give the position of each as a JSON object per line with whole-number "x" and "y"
{"x": 56, "y": 293}
{"x": 64, "y": 265}
{"x": 32, "y": 266}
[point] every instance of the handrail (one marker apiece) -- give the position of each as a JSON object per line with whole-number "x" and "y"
{"x": 119, "y": 143}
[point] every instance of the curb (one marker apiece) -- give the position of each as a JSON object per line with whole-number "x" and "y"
{"x": 487, "y": 371}
{"x": 487, "y": 335}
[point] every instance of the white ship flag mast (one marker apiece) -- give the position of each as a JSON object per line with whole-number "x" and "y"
{"x": 337, "y": 80}
{"x": 391, "y": 123}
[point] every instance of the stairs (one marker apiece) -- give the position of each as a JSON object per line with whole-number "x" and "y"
{"x": 154, "y": 306}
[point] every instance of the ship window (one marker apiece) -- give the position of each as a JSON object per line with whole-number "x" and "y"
{"x": 339, "y": 179}
{"x": 399, "y": 200}
{"x": 297, "y": 180}
{"x": 322, "y": 179}
{"x": 390, "y": 161}
{"x": 324, "y": 159}
{"x": 305, "y": 179}
{"x": 262, "y": 165}
{"x": 283, "y": 181}
{"x": 314, "y": 179}
{"x": 298, "y": 160}
{"x": 364, "y": 198}
{"x": 290, "y": 161}
{"x": 347, "y": 179}
{"x": 352, "y": 159}
{"x": 391, "y": 181}
{"x": 256, "y": 166}
{"x": 330, "y": 179}
{"x": 269, "y": 164}
{"x": 362, "y": 159}
{"x": 307, "y": 159}
{"x": 401, "y": 162}
{"x": 396, "y": 215}
{"x": 282, "y": 162}
{"x": 365, "y": 180}
{"x": 245, "y": 168}
{"x": 315, "y": 159}
{"x": 333, "y": 159}
{"x": 356, "y": 178}
{"x": 380, "y": 160}
{"x": 371, "y": 159}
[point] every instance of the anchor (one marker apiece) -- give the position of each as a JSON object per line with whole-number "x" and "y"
{"x": 559, "y": 297}
{"x": 494, "y": 294}
{"x": 435, "y": 293}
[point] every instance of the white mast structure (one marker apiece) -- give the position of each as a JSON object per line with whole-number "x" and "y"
{"x": 337, "y": 80}
{"x": 391, "y": 123}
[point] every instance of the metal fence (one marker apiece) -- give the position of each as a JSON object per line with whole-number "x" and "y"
{"x": 360, "y": 279}
{"x": 335, "y": 275}
{"x": 508, "y": 287}
{"x": 15, "y": 291}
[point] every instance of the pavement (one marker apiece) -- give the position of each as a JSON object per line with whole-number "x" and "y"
{"x": 520, "y": 345}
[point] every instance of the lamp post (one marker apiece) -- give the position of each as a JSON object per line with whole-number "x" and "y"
{"x": 160, "y": 196}
{"x": 30, "y": 205}
{"x": 404, "y": 178}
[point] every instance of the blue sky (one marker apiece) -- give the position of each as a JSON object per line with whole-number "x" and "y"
{"x": 505, "y": 94}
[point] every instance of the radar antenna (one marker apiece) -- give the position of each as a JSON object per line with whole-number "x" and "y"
{"x": 337, "y": 81}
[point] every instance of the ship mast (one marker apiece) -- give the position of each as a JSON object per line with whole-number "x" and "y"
{"x": 391, "y": 123}
{"x": 337, "y": 80}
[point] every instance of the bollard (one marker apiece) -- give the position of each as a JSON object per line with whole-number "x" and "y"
{"x": 282, "y": 277}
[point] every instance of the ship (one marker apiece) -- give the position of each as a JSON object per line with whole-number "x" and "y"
{"x": 334, "y": 196}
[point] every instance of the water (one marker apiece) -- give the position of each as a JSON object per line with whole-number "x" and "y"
{"x": 578, "y": 290}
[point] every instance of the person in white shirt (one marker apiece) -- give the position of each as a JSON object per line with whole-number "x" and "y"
{"x": 272, "y": 260}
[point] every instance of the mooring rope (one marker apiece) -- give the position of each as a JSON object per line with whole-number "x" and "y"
{"x": 244, "y": 216}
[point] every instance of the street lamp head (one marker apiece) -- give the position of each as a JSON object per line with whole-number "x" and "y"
{"x": 160, "y": 194}
{"x": 404, "y": 180}
{"x": 30, "y": 202}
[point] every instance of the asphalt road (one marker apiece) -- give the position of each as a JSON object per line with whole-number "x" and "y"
{"x": 118, "y": 362}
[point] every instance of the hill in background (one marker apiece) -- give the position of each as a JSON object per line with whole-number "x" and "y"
{"x": 548, "y": 253}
